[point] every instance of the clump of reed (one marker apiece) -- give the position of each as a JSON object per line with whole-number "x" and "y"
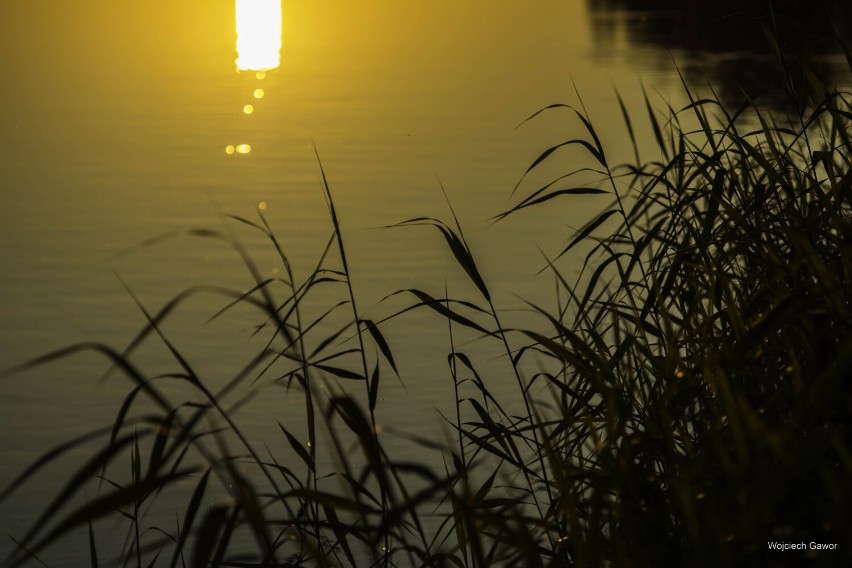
{"x": 703, "y": 406}
{"x": 688, "y": 404}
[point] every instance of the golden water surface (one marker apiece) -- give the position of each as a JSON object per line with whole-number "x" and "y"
{"x": 124, "y": 121}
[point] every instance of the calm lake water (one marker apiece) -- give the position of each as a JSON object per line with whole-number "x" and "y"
{"x": 115, "y": 126}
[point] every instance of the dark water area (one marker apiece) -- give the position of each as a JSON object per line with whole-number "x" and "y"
{"x": 731, "y": 45}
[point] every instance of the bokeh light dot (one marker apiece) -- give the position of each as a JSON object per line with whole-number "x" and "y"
{"x": 258, "y": 93}
{"x": 243, "y": 149}
{"x": 260, "y": 75}
{"x": 229, "y": 149}
{"x": 248, "y": 109}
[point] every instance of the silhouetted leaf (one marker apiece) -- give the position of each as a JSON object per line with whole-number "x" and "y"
{"x": 298, "y": 448}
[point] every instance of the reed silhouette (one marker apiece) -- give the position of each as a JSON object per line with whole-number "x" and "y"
{"x": 688, "y": 403}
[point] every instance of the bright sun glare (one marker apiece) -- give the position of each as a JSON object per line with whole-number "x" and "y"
{"x": 258, "y": 34}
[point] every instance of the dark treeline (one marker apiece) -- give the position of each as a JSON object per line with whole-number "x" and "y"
{"x": 730, "y": 36}
{"x": 734, "y": 25}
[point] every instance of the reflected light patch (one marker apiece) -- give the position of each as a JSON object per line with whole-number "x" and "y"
{"x": 258, "y": 34}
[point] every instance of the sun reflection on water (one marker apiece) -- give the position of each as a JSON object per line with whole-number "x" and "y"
{"x": 258, "y": 49}
{"x": 239, "y": 149}
{"x": 258, "y": 35}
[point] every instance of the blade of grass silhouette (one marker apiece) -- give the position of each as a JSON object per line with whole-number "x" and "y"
{"x": 28, "y": 553}
{"x": 536, "y": 198}
{"x": 628, "y": 123}
{"x": 385, "y": 554}
{"x": 189, "y": 517}
{"x": 93, "y": 549}
{"x": 438, "y": 304}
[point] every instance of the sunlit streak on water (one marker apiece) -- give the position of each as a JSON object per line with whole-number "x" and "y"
{"x": 258, "y": 34}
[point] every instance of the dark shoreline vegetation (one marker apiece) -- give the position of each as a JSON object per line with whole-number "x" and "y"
{"x": 688, "y": 405}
